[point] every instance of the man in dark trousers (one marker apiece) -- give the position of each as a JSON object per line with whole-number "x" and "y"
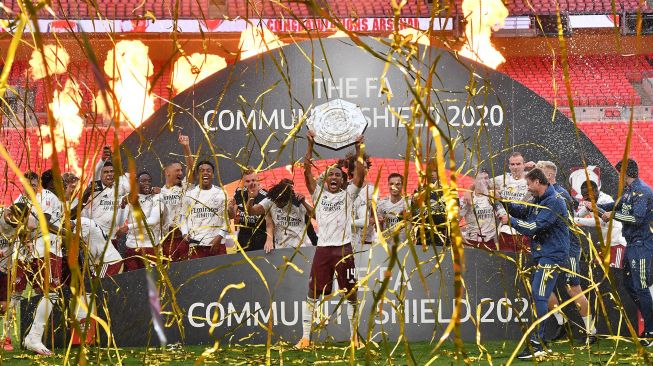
{"x": 545, "y": 223}
{"x": 635, "y": 211}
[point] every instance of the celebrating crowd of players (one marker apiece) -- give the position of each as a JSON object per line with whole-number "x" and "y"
{"x": 125, "y": 230}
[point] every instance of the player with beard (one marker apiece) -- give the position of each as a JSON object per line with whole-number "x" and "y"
{"x": 392, "y": 210}
{"x": 46, "y": 265}
{"x": 176, "y": 185}
{"x": 572, "y": 277}
{"x": 143, "y": 235}
{"x": 288, "y": 211}
{"x": 255, "y": 232}
{"x": 334, "y": 211}
{"x": 205, "y": 223}
{"x": 512, "y": 187}
{"x": 101, "y": 203}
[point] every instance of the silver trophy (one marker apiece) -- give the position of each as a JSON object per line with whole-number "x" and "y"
{"x": 337, "y": 123}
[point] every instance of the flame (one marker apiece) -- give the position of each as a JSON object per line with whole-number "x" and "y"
{"x": 483, "y": 16}
{"x": 68, "y": 124}
{"x": 256, "y": 40}
{"x": 129, "y": 68}
{"x": 188, "y": 71}
{"x": 56, "y": 61}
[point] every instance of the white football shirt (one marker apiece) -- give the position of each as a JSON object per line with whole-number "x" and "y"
{"x": 102, "y": 206}
{"x": 363, "y": 222}
{"x": 101, "y": 250}
{"x": 51, "y": 205}
{"x": 335, "y": 215}
{"x": 204, "y": 215}
{"x": 289, "y": 224}
{"x": 172, "y": 199}
{"x": 480, "y": 219}
{"x": 145, "y": 234}
{"x": 393, "y": 215}
{"x": 510, "y": 189}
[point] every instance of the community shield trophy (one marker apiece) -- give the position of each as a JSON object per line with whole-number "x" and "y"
{"x": 337, "y": 123}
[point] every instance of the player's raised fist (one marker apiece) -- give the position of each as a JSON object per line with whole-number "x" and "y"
{"x": 183, "y": 139}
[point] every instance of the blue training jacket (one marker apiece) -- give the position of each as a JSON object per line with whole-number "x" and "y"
{"x": 635, "y": 210}
{"x": 546, "y": 226}
{"x": 574, "y": 241}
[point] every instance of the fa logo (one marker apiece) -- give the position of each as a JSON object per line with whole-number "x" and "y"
{"x": 633, "y": 263}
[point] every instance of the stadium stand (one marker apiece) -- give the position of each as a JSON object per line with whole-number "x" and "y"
{"x": 214, "y": 9}
{"x": 603, "y": 80}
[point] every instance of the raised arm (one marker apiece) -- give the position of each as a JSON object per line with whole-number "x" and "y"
{"x": 361, "y": 170}
{"x": 307, "y": 206}
{"x": 188, "y": 156}
{"x": 308, "y": 163}
{"x": 254, "y": 209}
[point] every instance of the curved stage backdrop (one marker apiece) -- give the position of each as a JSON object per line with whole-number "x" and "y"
{"x": 247, "y": 112}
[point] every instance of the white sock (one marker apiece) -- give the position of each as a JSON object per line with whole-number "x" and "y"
{"x": 41, "y": 316}
{"x": 307, "y": 318}
{"x": 559, "y": 318}
{"x": 12, "y": 310}
{"x": 589, "y": 324}
{"x": 351, "y": 313}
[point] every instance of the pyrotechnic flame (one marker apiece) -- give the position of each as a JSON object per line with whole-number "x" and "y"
{"x": 483, "y": 16}
{"x": 129, "y": 67}
{"x": 188, "y": 71}
{"x": 256, "y": 40}
{"x": 56, "y": 61}
{"x": 69, "y": 125}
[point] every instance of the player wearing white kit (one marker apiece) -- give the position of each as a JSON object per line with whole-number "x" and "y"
{"x": 289, "y": 213}
{"x": 175, "y": 248}
{"x": 480, "y": 214}
{"x": 205, "y": 222}
{"x": 102, "y": 204}
{"x": 42, "y": 270}
{"x": 364, "y": 229}
{"x": 392, "y": 210}
{"x": 15, "y": 223}
{"x": 143, "y": 235}
{"x": 334, "y": 211}
{"x": 512, "y": 187}
{"x": 105, "y": 259}
{"x": 585, "y": 218}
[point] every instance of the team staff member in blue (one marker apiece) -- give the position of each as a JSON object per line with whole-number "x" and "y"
{"x": 635, "y": 211}
{"x": 573, "y": 275}
{"x": 544, "y": 221}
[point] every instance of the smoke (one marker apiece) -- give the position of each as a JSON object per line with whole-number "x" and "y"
{"x": 129, "y": 68}
{"x": 55, "y": 63}
{"x": 188, "y": 71}
{"x": 483, "y": 17}
{"x": 68, "y": 124}
{"x": 256, "y": 40}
